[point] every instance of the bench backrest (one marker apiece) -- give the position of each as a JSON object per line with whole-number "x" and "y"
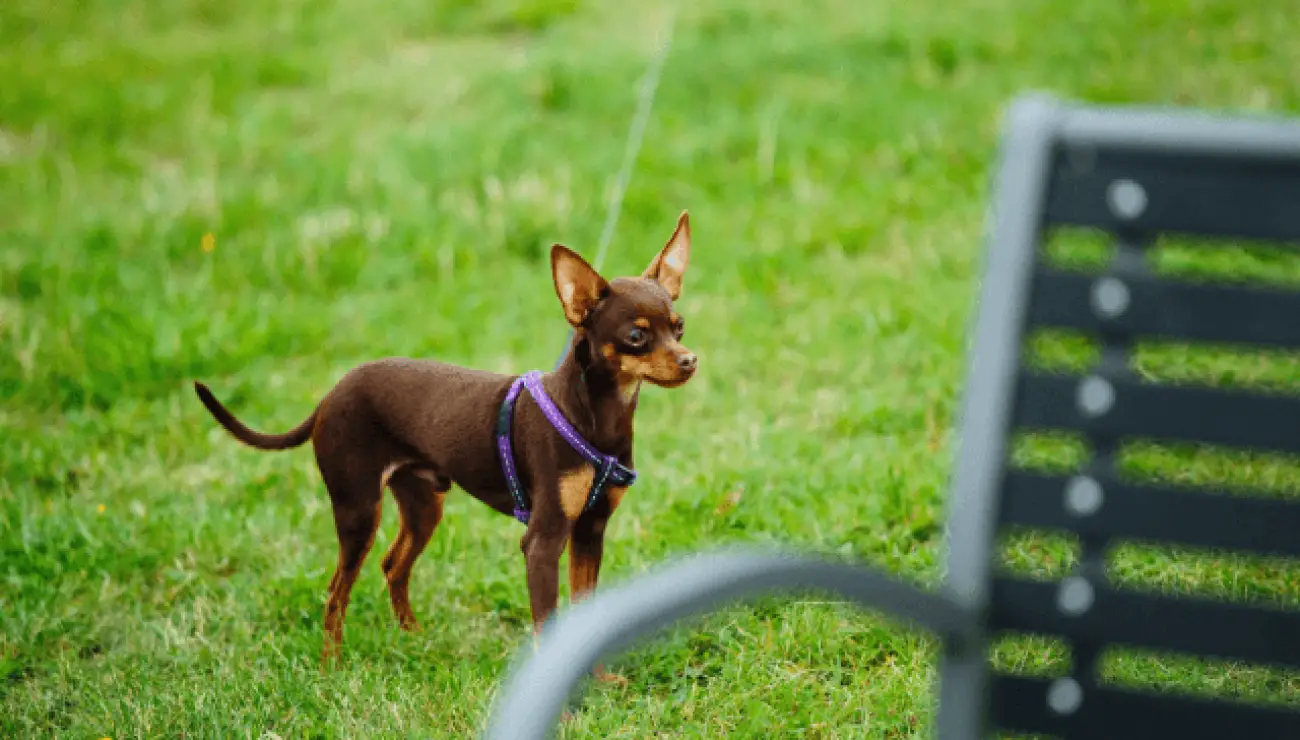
{"x": 1138, "y": 177}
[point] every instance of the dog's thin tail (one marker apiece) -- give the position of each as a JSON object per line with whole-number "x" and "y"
{"x": 261, "y": 441}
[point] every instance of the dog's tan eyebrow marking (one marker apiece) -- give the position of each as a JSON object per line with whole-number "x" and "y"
{"x": 674, "y": 317}
{"x": 642, "y": 322}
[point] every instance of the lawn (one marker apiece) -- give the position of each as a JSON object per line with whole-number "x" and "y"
{"x": 261, "y": 195}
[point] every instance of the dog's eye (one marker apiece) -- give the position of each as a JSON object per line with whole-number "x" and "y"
{"x": 679, "y": 328}
{"x": 636, "y": 336}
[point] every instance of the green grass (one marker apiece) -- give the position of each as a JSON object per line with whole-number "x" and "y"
{"x": 385, "y": 179}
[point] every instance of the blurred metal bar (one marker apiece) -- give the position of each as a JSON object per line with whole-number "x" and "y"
{"x": 1178, "y": 131}
{"x": 538, "y": 688}
{"x": 1013, "y": 230}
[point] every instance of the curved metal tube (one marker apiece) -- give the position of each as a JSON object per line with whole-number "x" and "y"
{"x": 568, "y": 648}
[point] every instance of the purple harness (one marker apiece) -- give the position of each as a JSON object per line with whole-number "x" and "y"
{"x": 608, "y": 469}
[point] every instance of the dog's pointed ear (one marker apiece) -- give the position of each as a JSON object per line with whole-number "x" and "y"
{"x": 577, "y": 284}
{"x": 669, "y": 265}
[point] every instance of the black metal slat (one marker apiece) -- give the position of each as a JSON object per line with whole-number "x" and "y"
{"x": 1249, "y": 198}
{"x": 1170, "y": 310}
{"x": 1019, "y": 704}
{"x": 1157, "y": 513}
{"x": 1160, "y": 412}
{"x": 1231, "y": 631}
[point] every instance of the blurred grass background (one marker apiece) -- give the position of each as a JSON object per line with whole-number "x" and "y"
{"x": 385, "y": 179}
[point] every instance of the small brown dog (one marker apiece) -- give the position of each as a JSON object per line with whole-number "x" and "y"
{"x": 559, "y": 462}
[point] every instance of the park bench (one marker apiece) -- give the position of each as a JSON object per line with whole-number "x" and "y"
{"x": 1136, "y": 175}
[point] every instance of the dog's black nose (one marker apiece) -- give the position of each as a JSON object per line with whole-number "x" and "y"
{"x": 687, "y": 361}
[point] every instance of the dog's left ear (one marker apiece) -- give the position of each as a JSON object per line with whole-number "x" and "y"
{"x": 670, "y": 265}
{"x": 577, "y": 284}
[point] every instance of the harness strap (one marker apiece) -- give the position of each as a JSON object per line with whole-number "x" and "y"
{"x": 506, "y": 452}
{"x": 608, "y": 468}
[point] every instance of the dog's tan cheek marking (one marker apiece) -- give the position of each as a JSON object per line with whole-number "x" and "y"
{"x": 574, "y": 487}
{"x": 608, "y": 351}
{"x": 631, "y": 370}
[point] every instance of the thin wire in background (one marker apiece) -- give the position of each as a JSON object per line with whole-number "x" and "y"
{"x": 631, "y": 148}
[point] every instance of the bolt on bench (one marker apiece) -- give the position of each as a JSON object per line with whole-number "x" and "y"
{"x": 1137, "y": 174}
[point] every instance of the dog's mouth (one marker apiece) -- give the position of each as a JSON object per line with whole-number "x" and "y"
{"x": 674, "y": 381}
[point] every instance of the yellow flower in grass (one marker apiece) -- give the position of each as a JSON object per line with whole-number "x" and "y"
{"x": 208, "y": 242}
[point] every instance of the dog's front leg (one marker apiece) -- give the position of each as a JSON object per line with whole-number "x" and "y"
{"x": 542, "y": 545}
{"x": 586, "y": 546}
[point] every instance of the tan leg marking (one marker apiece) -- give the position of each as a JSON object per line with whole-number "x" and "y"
{"x": 615, "y": 494}
{"x": 583, "y": 571}
{"x": 584, "y": 568}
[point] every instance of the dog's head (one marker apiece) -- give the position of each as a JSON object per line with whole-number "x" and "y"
{"x": 628, "y": 324}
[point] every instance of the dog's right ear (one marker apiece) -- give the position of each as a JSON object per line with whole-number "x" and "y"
{"x": 577, "y": 284}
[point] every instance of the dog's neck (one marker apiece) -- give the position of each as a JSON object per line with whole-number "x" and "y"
{"x": 593, "y": 401}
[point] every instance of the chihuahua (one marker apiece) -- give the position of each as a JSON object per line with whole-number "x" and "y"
{"x": 554, "y": 450}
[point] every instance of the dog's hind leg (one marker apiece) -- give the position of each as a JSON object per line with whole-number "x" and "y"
{"x": 355, "y": 488}
{"x": 419, "y": 500}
